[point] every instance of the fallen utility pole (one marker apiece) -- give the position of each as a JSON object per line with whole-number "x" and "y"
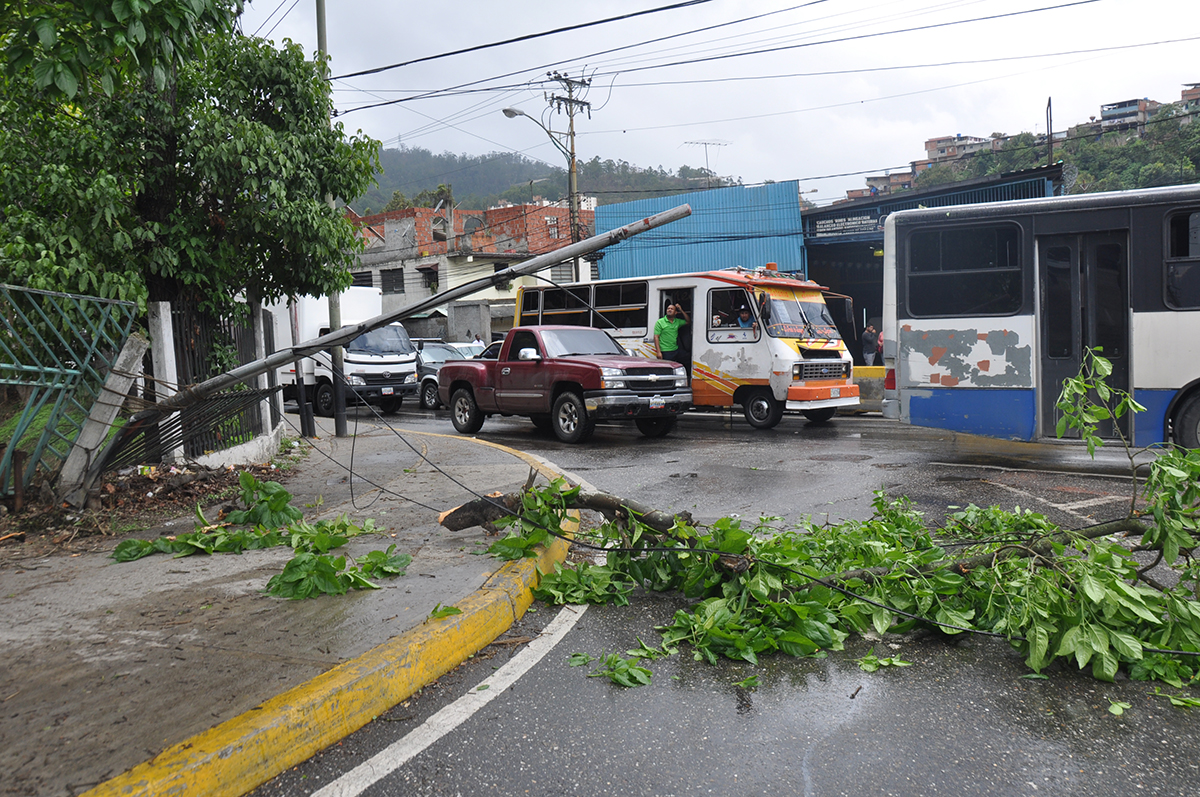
{"x": 197, "y": 393}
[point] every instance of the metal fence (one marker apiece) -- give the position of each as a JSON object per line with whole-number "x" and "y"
{"x": 206, "y": 346}
{"x": 57, "y": 350}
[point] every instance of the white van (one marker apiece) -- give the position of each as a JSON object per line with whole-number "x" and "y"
{"x": 380, "y": 365}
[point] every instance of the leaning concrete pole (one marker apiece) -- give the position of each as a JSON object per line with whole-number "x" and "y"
{"x": 197, "y": 393}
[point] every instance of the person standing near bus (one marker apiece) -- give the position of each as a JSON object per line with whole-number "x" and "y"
{"x": 666, "y": 334}
{"x": 870, "y": 344}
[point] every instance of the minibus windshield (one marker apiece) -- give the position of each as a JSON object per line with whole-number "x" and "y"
{"x": 793, "y": 317}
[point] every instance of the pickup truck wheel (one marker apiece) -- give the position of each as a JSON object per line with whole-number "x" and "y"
{"x": 763, "y": 410}
{"x": 655, "y": 427}
{"x": 569, "y": 419}
{"x": 429, "y": 396}
{"x": 323, "y": 400}
{"x": 542, "y": 422}
{"x": 822, "y": 415}
{"x": 464, "y": 412}
{"x": 1187, "y": 424}
{"x": 389, "y": 405}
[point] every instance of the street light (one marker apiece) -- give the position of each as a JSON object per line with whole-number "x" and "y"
{"x": 569, "y": 152}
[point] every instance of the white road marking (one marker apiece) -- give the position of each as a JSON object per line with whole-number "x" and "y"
{"x": 379, "y": 766}
{"x": 1090, "y": 502}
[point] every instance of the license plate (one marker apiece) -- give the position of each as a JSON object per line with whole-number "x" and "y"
{"x": 657, "y": 403}
{"x": 387, "y": 391}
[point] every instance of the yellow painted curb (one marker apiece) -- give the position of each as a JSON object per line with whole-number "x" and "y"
{"x": 240, "y": 754}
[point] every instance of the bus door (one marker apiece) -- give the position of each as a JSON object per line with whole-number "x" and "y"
{"x": 683, "y": 297}
{"x": 1084, "y": 304}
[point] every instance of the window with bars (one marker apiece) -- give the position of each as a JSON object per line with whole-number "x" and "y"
{"x": 362, "y": 279}
{"x": 392, "y": 280}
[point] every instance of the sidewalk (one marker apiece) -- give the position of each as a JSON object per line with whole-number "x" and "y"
{"x": 166, "y": 676}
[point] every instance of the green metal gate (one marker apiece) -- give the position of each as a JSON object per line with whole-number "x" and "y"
{"x": 58, "y": 348}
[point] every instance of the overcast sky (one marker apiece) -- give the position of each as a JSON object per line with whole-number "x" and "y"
{"x": 814, "y": 110}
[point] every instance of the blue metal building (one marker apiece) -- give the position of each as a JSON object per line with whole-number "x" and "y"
{"x": 735, "y": 226}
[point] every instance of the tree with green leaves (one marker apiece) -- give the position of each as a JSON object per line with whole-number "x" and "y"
{"x": 84, "y": 45}
{"x": 257, "y": 158}
{"x": 206, "y": 183}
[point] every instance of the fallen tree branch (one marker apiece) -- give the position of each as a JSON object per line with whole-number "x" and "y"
{"x": 964, "y": 566}
{"x": 485, "y": 511}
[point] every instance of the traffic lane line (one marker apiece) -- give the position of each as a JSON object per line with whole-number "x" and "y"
{"x": 240, "y": 754}
{"x": 396, "y": 755}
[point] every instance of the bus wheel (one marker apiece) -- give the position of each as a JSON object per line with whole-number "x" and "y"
{"x": 655, "y": 427}
{"x": 464, "y": 412}
{"x": 570, "y": 419}
{"x": 1187, "y": 424}
{"x": 821, "y": 415}
{"x": 763, "y": 411}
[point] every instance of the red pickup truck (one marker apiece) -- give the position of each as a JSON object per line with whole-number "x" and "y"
{"x": 565, "y": 378}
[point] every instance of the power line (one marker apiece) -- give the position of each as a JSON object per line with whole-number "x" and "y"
{"x": 758, "y": 51}
{"x": 527, "y": 37}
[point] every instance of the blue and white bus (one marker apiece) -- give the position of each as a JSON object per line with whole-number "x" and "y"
{"x": 987, "y": 308}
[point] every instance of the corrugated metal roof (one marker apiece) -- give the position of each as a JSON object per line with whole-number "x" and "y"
{"x": 735, "y": 226}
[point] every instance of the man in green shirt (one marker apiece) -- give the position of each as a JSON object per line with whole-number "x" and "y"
{"x": 666, "y": 334}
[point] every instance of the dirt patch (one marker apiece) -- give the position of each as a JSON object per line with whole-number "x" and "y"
{"x": 129, "y": 503}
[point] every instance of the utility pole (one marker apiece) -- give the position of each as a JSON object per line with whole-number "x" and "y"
{"x": 1049, "y": 133}
{"x": 337, "y": 354}
{"x": 572, "y": 105}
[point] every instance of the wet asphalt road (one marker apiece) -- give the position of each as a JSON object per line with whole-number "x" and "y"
{"x": 960, "y": 720}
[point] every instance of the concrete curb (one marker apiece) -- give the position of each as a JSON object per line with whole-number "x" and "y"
{"x": 238, "y": 755}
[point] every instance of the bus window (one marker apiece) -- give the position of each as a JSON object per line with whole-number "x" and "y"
{"x": 1058, "y": 264}
{"x": 531, "y": 300}
{"x": 1183, "y": 260}
{"x": 724, "y": 306}
{"x": 567, "y": 306}
{"x": 622, "y": 305}
{"x": 965, "y": 271}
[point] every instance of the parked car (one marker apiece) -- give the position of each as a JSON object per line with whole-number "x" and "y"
{"x": 430, "y": 360}
{"x": 469, "y": 350}
{"x": 492, "y": 352}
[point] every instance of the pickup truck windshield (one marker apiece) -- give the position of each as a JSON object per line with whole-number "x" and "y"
{"x": 572, "y": 342}
{"x": 391, "y": 339}
{"x": 796, "y": 318}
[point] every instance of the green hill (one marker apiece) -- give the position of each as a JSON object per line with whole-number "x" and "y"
{"x": 479, "y": 181}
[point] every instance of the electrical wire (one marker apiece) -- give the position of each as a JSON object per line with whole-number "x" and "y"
{"x": 765, "y": 51}
{"x": 527, "y": 37}
{"x": 281, "y": 18}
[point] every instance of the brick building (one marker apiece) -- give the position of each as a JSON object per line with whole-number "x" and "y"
{"x": 413, "y": 253}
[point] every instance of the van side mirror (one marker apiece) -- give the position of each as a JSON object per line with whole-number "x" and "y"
{"x": 764, "y": 307}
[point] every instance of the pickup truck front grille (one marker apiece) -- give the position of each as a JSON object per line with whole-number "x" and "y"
{"x": 829, "y": 369}
{"x": 660, "y": 370}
